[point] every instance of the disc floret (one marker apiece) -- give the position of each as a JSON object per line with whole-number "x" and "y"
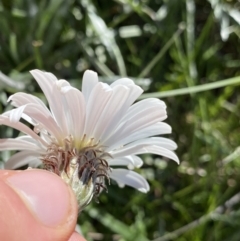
{"x": 84, "y": 169}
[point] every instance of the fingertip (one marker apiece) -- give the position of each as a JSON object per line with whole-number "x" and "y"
{"x": 46, "y": 204}
{"x": 45, "y": 194}
{"x": 76, "y": 237}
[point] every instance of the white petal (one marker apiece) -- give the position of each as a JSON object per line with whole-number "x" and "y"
{"x": 29, "y": 119}
{"x": 130, "y": 178}
{"x": 153, "y": 130}
{"x": 136, "y": 122}
{"x": 77, "y": 110}
{"x": 20, "y": 98}
{"x": 27, "y": 138}
{"x": 49, "y": 75}
{"x": 135, "y": 90}
{"x": 157, "y": 141}
{"x": 144, "y": 104}
{"x": 38, "y": 114}
{"x": 90, "y": 79}
{"x": 142, "y": 148}
{"x": 46, "y": 82}
{"x": 16, "y": 114}
{"x": 127, "y": 150}
{"x": 121, "y": 161}
{"x": 96, "y": 104}
{"x": 21, "y": 127}
{"x": 35, "y": 163}
{"x": 160, "y": 151}
{"x": 58, "y": 108}
{"x": 20, "y": 159}
{"x": 16, "y": 144}
{"x": 51, "y": 89}
{"x": 44, "y": 79}
{"x": 122, "y": 81}
{"x": 110, "y": 111}
{"x": 130, "y": 161}
{"x": 138, "y": 162}
{"x": 119, "y": 103}
{"x": 62, "y": 83}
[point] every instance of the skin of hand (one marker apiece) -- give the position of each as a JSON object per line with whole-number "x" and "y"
{"x": 36, "y": 205}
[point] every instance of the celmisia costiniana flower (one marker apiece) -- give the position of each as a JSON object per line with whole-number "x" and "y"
{"x": 84, "y": 134}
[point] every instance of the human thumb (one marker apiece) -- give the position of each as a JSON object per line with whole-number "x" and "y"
{"x": 36, "y": 205}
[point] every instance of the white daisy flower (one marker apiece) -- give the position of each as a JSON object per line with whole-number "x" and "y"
{"x": 84, "y": 135}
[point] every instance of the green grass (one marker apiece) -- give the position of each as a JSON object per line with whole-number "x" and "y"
{"x": 178, "y": 50}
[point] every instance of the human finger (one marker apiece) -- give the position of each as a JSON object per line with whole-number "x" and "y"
{"x": 36, "y": 205}
{"x": 76, "y": 237}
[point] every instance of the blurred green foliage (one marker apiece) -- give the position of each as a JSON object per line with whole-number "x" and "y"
{"x": 163, "y": 45}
